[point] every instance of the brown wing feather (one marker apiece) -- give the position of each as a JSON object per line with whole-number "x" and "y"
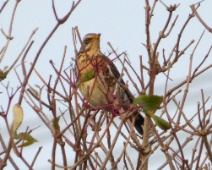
{"x": 117, "y": 76}
{"x": 139, "y": 119}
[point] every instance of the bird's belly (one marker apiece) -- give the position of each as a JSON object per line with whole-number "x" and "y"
{"x": 93, "y": 93}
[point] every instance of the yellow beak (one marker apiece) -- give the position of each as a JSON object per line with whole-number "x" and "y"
{"x": 97, "y": 36}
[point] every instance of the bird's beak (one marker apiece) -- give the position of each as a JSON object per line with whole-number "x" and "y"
{"x": 97, "y": 36}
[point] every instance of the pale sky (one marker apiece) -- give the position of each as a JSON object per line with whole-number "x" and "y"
{"x": 120, "y": 22}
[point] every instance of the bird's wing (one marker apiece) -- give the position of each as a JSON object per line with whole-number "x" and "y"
{"x": 119, "y": 80}
{"x": 139, "y": 119}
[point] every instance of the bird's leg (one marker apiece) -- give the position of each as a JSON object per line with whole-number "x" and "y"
{"x": 115, "y": 111}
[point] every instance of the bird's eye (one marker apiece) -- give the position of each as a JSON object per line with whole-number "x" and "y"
{"x": 87, "y": 40}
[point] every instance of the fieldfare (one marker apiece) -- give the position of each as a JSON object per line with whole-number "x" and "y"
{"x": 101, "y": 83}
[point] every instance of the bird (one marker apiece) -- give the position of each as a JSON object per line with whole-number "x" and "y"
{"x": 100, "y": 82}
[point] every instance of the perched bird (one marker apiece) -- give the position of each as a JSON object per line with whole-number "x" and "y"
{"x": 101, "y": 83}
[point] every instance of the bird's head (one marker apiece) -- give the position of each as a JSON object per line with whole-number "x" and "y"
{"x": 91, "y": 42}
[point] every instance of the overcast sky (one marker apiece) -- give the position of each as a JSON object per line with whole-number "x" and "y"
{"x": 120, "y": 22}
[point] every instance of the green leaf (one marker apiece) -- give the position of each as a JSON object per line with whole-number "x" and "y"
{"x": 28, "y": 143}
{"x": 148, "y": 102}
{"x": 164, "y": 125}
{"x": 55, "y": 123}
{"x": 86, "y": 77}
{"x": 29, "y": 140}
{"x": 3, "y": 74}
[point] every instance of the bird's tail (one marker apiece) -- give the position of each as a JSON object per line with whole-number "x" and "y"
{"x": 139, "y": 122}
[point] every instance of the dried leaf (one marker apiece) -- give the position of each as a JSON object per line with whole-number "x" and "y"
{"x": 18, "y": 116}
{"x": 34, "y": 91}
